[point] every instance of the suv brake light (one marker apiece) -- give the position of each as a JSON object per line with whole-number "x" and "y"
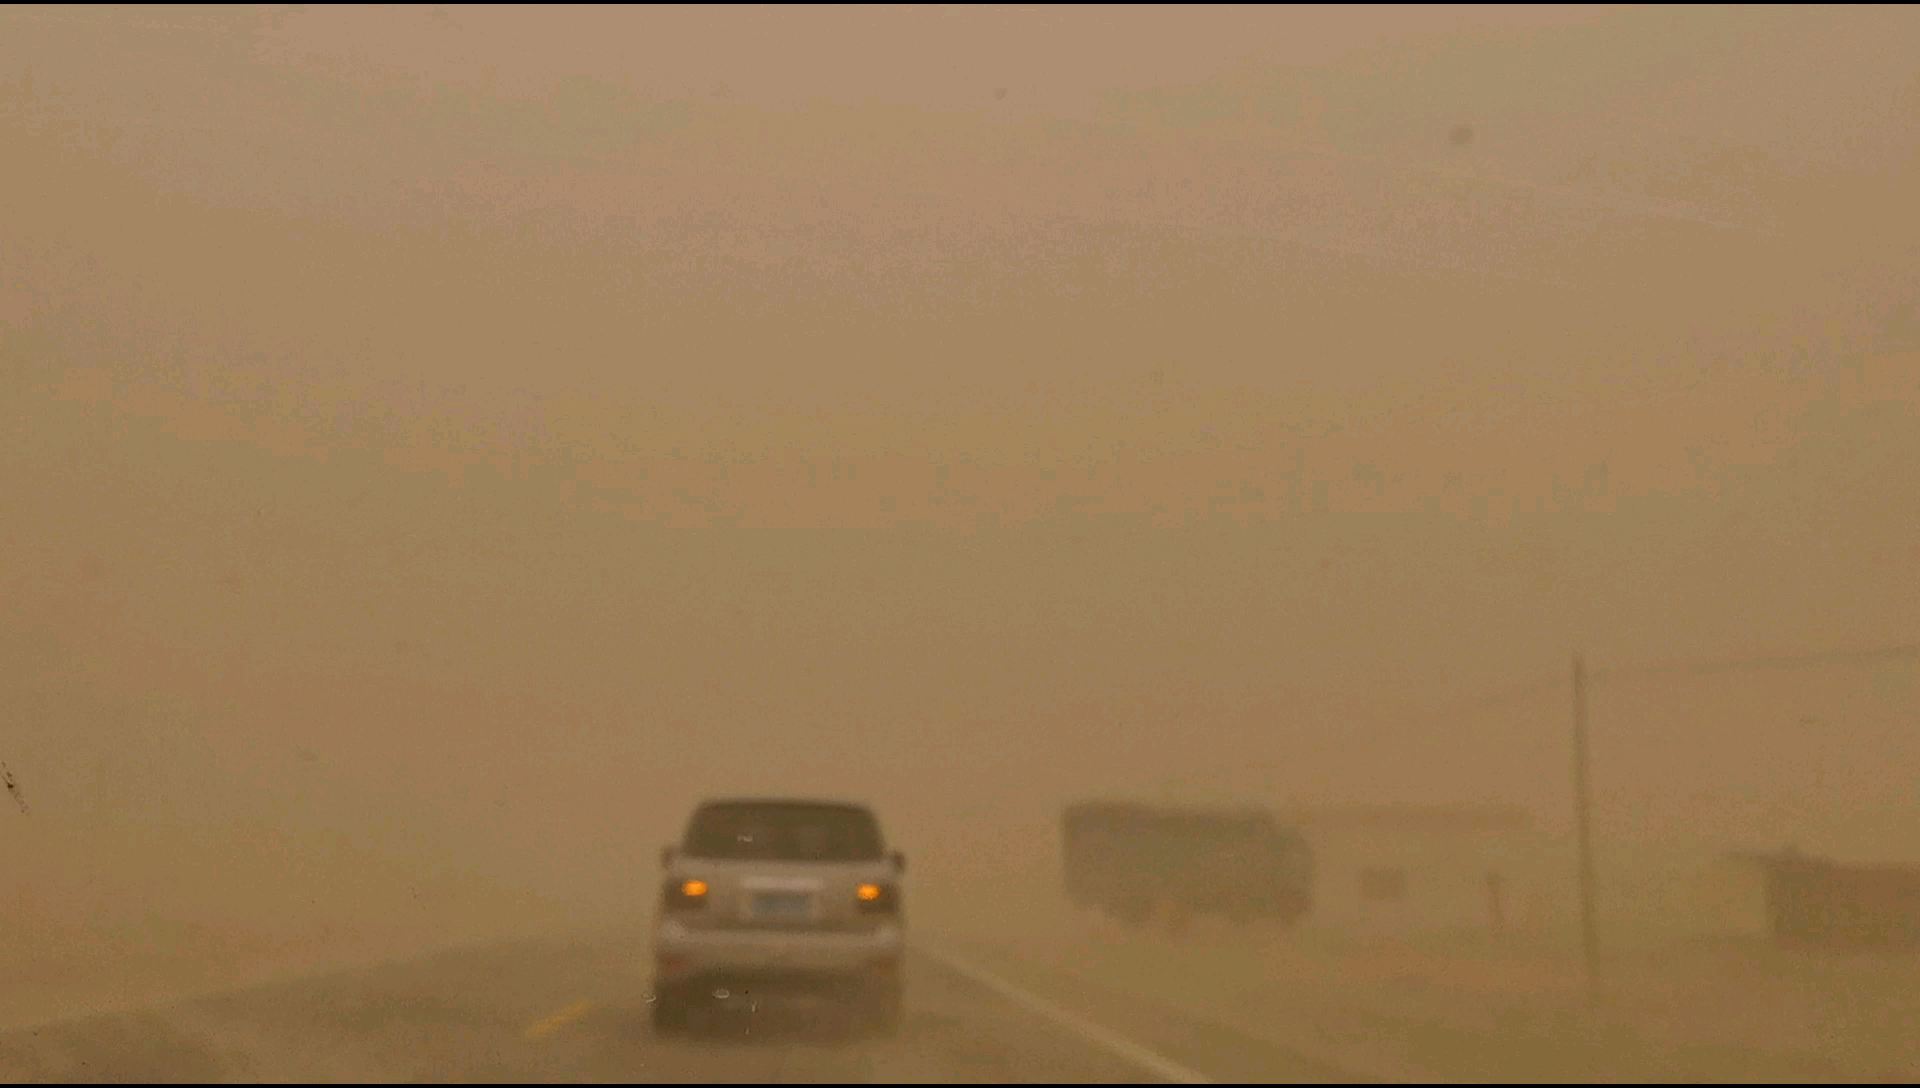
{"x": 684, "y": 894}
{"x": 877, "y": 899}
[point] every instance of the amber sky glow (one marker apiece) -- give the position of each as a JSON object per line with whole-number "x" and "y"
{"x": 464, "y": 437}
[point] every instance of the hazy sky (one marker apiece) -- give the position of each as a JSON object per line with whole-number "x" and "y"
{"x": 471, "y": 429}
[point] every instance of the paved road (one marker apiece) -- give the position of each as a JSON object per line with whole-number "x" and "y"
{"x": 577, "y": 1011}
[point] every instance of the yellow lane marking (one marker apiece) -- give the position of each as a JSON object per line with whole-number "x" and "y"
{"x": 558, "y": 1020}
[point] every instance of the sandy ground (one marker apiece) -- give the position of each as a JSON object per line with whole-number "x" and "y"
{"x": 1468, "y": 1007}
{"x": 1461, "y": 1007}
{"x": 572, "y": 1011}
{"x": 55, "y": 974}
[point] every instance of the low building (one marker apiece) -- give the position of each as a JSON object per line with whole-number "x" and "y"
{"x": 1798, "y": 900}
{"x": 1401, "y": 869}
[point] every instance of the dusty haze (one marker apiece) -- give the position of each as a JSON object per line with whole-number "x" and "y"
{"x": 443, "y": 444}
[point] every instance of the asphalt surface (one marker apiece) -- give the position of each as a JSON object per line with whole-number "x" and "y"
{"x": 577, "y": 1011}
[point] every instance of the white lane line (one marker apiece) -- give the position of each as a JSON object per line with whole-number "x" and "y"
{"x": 1112, "y": 1042}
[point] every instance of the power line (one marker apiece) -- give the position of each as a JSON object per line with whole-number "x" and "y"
{"x": 1774, "y": 661}
{"x": 1519, "y": 693}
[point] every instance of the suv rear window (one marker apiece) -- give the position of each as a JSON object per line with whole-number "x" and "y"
{"x": 783, "y": 832}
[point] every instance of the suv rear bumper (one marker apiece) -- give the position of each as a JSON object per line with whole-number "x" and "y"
{"x": 686, "y": 956}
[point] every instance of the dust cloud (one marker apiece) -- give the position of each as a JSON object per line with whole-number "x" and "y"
{"x": 442, "y": 444}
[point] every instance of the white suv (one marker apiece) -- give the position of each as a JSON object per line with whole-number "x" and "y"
{"x": 765, "y": 898}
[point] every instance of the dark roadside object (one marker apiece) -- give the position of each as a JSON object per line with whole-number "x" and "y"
{"x": 1461, "y": 135}
{"x": 1137, "y": 862}
{"x": 13, "y": 787}
{"x": 1818, "y": 903}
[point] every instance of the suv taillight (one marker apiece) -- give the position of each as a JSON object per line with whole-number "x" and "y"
{"x": 685, "y": 894}
{"x": 877, "y": 899}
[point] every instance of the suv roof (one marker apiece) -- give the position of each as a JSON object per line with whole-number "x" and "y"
{"x": 784, "y": 830}
{"x": 782, "y": 802}
{"x": 821, "y": 802}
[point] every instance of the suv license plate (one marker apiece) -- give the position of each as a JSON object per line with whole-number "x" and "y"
{"x": 783, "y": 906}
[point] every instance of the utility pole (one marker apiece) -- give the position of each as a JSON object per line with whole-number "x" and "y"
{"x": 1583, "y": 814}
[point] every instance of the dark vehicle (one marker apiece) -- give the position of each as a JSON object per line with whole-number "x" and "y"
{"x": 1128, "y": 860}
